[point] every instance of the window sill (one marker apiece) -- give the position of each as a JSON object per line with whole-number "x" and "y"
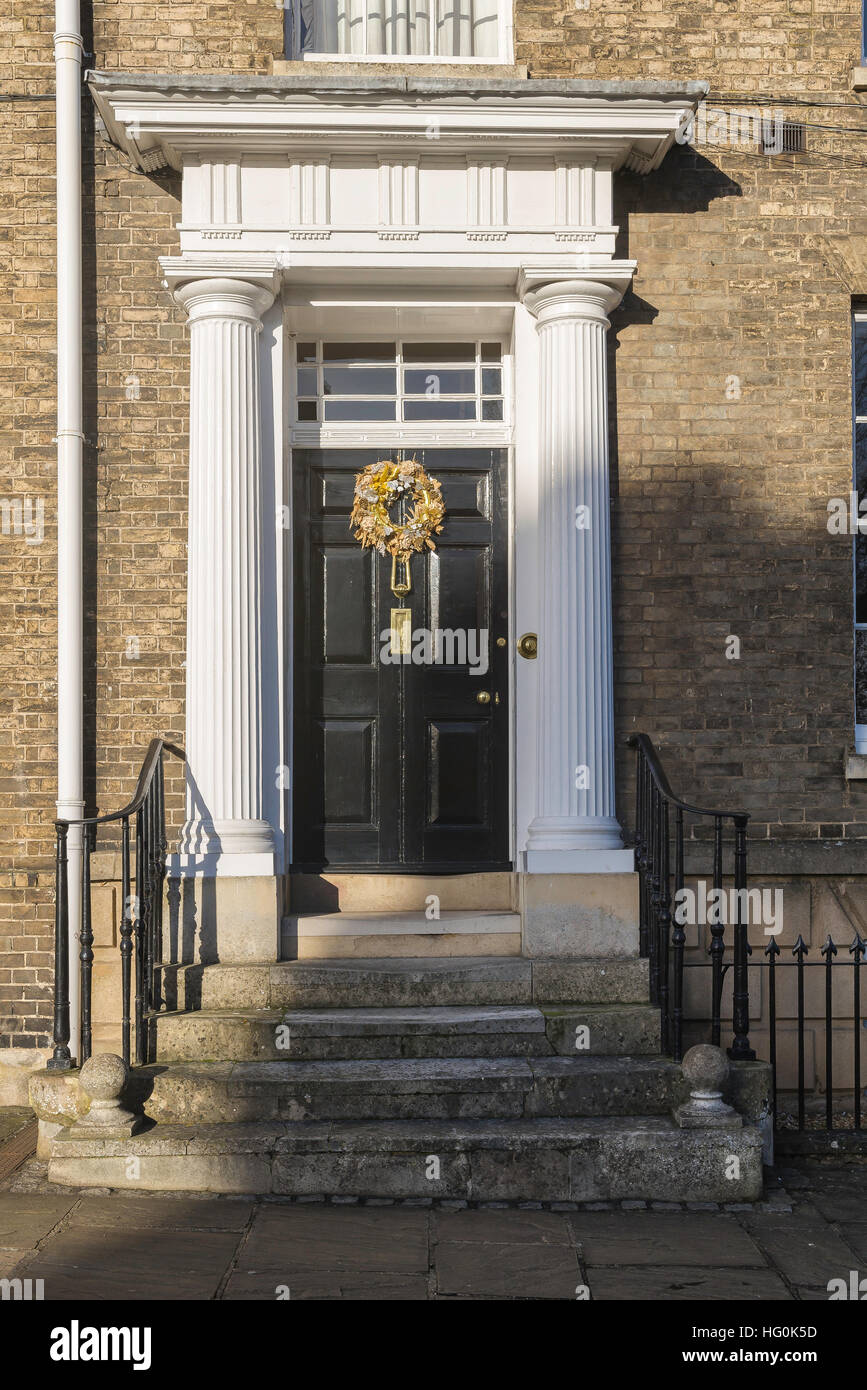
{"x": 856, "y": 767}
{"x": 411, "y": 67}
{"x": 859, "y": 79}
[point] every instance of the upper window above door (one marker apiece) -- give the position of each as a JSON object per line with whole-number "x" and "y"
{"x": 400, "y": 382}
{"x": 439, "y": 31}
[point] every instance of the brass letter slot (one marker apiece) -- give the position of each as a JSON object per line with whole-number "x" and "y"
{"x": 401, "y": 631}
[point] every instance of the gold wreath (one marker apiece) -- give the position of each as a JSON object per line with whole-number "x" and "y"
{"x": 377, "y": 488}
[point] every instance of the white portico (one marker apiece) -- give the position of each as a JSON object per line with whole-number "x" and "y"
{"x": 361, "y": 207}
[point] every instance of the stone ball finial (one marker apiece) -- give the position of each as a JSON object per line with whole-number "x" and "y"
{"x": 104, "y": 1076}
{"x": 705, "y": 1068}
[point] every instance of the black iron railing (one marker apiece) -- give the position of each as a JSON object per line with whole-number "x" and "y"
{"x": 659, "y": 846}
{"x": 835, "y": 967}
{"x": 141, "y": 913}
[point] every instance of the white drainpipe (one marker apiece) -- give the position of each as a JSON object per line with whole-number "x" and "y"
{"x": 70, "y": 439}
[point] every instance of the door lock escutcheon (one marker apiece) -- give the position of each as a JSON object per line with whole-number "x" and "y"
{"x": 528, "y": 646}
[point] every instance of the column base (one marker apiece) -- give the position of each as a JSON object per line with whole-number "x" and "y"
{"x": 239, "y": 848}
{"x": 579, "y": 861}
{"x": 574, "y": 833}
{"x": 219, "y": 865}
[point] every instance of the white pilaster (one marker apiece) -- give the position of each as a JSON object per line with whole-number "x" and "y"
{"x": 226, "y": 828}
{"x": 575, "y": 826}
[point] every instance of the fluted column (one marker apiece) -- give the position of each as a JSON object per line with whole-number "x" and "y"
{"x": 224, "y": 710}
{"x": 575, "y": 730}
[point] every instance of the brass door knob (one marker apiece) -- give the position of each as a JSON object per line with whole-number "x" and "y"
{"x": 528, "y": 646}
{"x": 483, "y": 697}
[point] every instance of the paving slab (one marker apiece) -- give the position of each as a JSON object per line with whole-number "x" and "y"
{"x": 338, "y": 1239}
{"x": 508, "y": 1227}
{"x": 8, "y": 1261}
{"x": 187, "y": 1213}
{"x": 841, "y": 1205}
{"x": 519, "y": 1270}
{"x": 805, "y": 1253}
{"x": 86, "y": 1263}
{"x": 657, "y": 1238}
{"x": 855, "y": 1235}
{"x": 27, "y": 1217}
{"x": 250, "y": 1285}
{"x": 683, "y": 1283}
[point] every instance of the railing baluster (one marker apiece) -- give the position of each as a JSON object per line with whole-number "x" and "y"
{"x": 153, "y": 861}
{"x": 664, "y": 924}
{"x": 772, "y": 950}
{"x": 717, "y": 935}
{"x": 161, "y": 871}
{"x": 653, "y": 867}
{"x": 829, "y": 951}
{"x": 61, "y": 1059}
{"x": 639, "y": 853}
{"x": 740, "y": 1050}
{"x": 799, "y": 950}
{"x": 678, "y": 944}
{"x": 85, "y": 944}
{"x": 857, "y": 950}
{"x": 139, "y": 929}
{"x": 127, "y": 927}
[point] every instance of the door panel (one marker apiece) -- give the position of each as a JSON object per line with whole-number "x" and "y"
{"x": 399, "y": 765}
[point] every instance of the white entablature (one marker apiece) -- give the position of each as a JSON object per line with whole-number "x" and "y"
{"x": 367, "y": 170}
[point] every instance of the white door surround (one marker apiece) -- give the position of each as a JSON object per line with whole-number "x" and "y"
{"x": 416, "y": 205}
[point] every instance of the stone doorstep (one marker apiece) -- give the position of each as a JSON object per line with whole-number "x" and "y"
{"x": 432, "y": 1089}
{"x": 435, "y": 1088}
{"x": 360, "y": 892}
{"x": 320, "y": 1034}
{"x": 385, "y": 1089}
{"x": 411, "y": 982}
{"x": 544, "y": 1159}
{"x": 451, "y": 923}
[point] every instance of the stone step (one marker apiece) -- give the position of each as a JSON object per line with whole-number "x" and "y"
{"x": 360, "y": 892}
{"x": 361, "y": 935}
{"x": 404, "y": 983}
{"x": 408, "y": 1089}
{"x": 605, "y": 1159}
{"x": 485, "y": 1031}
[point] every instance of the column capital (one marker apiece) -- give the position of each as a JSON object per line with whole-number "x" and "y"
{"x": 584, "y": 292}
{"x": 221, "y": 286}
{"x": 223, "y": 298}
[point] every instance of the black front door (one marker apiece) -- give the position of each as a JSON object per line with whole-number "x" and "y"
{"x": 397, "y": 762}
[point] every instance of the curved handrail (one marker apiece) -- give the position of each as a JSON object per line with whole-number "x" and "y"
{"x": 662, "y": 937}
{"x": 644, "y": 744}
{"x": 141, "y": 917}
{"x": 145, "y": 777}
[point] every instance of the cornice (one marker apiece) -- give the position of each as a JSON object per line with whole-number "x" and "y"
{"x": 161, "y": 120}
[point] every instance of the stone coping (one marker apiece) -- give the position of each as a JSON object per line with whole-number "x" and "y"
{"x": 209, "y": 84}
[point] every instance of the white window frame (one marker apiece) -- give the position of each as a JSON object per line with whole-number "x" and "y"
{"x": 505, "y": 44}
{"x": 412, "y": 432}
{"x": 859, "y": 316}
